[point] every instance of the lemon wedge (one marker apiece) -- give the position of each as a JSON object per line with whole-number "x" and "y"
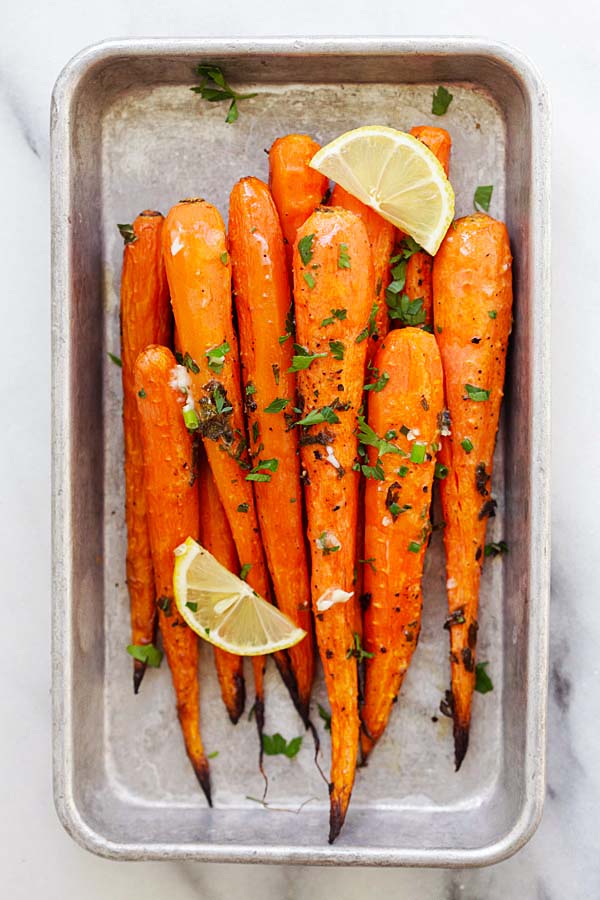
{"x": 395, "y": 174}
{"x": 223, "y": 609}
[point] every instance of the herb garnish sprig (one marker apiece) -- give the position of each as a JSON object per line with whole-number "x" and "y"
{"x": 214, "y": 88}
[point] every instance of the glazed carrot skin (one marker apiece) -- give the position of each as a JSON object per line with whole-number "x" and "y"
{"x": 172, "y": 506}
{"x": 329, "y": 451}
{"x": 472, "y": 289}
{"x": 262, "y": 298}
{"x": 397, "y": 516}
{"x": 296, "y": 188}
{"x": 420, "y": 265}
{"x": 215, "y": 535}
{"x": 381, "y": 237}
{"x": 199, "y": 273}
{"x": 145, "y": 319}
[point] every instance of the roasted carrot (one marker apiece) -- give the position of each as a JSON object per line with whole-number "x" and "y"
{"x": 215, "y": 535}
{"x": 145, "y": 319}
{"x": 402, "y": 436}
{"x": 381, "y": 237}
{"x": 296, "y": 188}
{"x": 172, "y": 509}
{"x": 419, "y": 266}
{"x": 472, "y": 291}
{"x": 263, "y": 304}
{"x": 332, "y": 311}
{"x": 199, "y": 274}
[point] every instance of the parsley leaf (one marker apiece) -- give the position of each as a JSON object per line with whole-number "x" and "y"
{"x": 244, "y": 571}
{"x": 142, "y": 393}
{"x": 146, "y": 653}
{"x": 339, "y": 314}
{"x": 261, "y": 472}
{"x": 213, "y": 755}
{"x": 442, "y": 98}
{"x": 378, "y": 385}
{"x": 483, "y": 197}
{"x": 220, "y": 403}
{"x": 191, "y": 604}
{"x": 337, "y": 349}
{"x": 276, "y": 745}
{"x": 215, "y": 89}
{"x": 187, "y": 361}
{"x": 483, "y": 682}
{"x": 357, "y": 651}
{"x": 326, "y": 716}
{"x": 216, "y": 357}
{"x": 401, "y": 307}
{"x": 492, "y": 313}
{"x": 495, "y": 548}
{"x": 127, "y": 233}
{"x": 250, "y": 389}
{"x": 116, "y": 359}
{"x": 343, "y": 258}
{"x": 414, "y": 546}
{"x": 224, "y": 258}
{"x": 367, "y": 436}
{"x": 318, "y": 416}
{"x": 376, "y": 472}
{"x": 276, "y": 405}
{"x": 243, "y": 507}
{"x": 476, "y": 393}
{"x": 303, "y": 358}
{"x": 309, "y": 280}
{"x": 305, "y": 248}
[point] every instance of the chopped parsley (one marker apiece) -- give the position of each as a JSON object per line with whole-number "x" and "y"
{"x": 186, "y": 360}
{"x": 414, "y": 546}
{"x": 325, "y": 543}
{"x": 276, "y": 372}
{"x": 483, "y": 197}
{"x": 492, "y": 313}
{"x": 376, "y": 472}
{"x": 127, "y": 233}
{"x": 277, "y": 405}
{"x": 191, "y": 604}
{"x": 243, "y": 507}
{"x": 244, "y": 571}
{"x": 276, "y": 745}
{"x": 369, "y": 562}
{"x": 483, "y": 682}
{"x": 142, "y": 393}
{"x": 220, "y": 402}
{"x": 305, "y": 248}
{"x": 146, "y": 653}
{"x": 357, "y": 651}
{"x": 339, "y": 314}
{"x": 250, "y": 389}
{"x": 442, "y": 98}
{"x": 224, "y": 258}
{"x": 216, "y": 357}
{"x": 309, "y": 279}
{"x": 378, "y": 385}
{"x": 318, "y": 416}
{"x": 402, "y": 308}
{"x": 343, "y": 258}
{"x": 477, "y": 393}
{"x": 367, "y": 436}
{"x": 403, "y": 471}
{"x": 261, "y": 472}
{"x": 495, "y": 548}
{"x": 302, "y": 359}
{"x": 255, "y": 431}
{"x": 326, "y": 716}
{"x": 213, "y": 755}
{"x": 371, "y": 328}
{"x": 215, "y": 89}
{"x": 116, "y": 360}
{"x": 337, "y": 349}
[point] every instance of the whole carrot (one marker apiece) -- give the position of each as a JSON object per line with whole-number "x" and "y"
{"x": 199, "y": 274}
{"x": 420, "y": 265}
{"x": 263, "y": 304}
{"x": 402, "y": 436}
{"x": 296, "y": 188}
{"x": 145, "y": 319}
{"x": 215, "y": 535}
{"x": 333, "y": 303}
{"x": 472, "y": 290}
{"x": 172, "y": 508}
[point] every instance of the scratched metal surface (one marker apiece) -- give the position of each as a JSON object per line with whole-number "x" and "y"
{"x": 154, "y": 143}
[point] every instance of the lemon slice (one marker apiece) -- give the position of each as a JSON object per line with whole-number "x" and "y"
{"x": 395, "y": 174}
{"x": 224, "y": 610}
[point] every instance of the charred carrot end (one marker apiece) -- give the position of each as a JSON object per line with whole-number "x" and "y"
{"x": 145, "y": 319}
{"x": 407, "y": 410}
{"x": 296, "y": 188}
{"x": 472, "y": 289}
{"x": 333, "y": 304}
{"x": 173, "y": 514}
{"x": 263, "y": 305}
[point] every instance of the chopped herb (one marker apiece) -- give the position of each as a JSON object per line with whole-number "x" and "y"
{"x": 402, "y": 308}
{"x": 476, "y": 393}
{"x": 403, "y": 471}
{"x": 378, "y": 385}
{"x": 215, "y": 89}
{"x": 326, "y": 716}
{"x": 224, "y": 258}
{"x": 483, "y": 682}
{"x": 439, "y": 329}
{"x": 142, "y": 393}
{"x": 317, "y": 416}
{"x": 417, "y": 452}
{"x": 343, "y": 258}
{"x": 261, "y": 472}
{"x": 255, "y": 431}
{"x": 190, "y": 363}
{"x": 414, "y": 546}
{"x": 276, "y": 372}
{"x": 303, "y": 358}
{"x": 221, "y": 402}
{"x": 397, "y": 510}
{"x": 116, "y": 359}
{"x": 250, "y": 389}
{"x": 164, "y": 603}
{"x": 441, "y": 471}
{"x": 276, "y": 405}
{"x": 146, "y": 653}
{"x": 442, "y": 98}
{"x": 191, "y": 604}
{"x": 492, "y": 313}
{"x": 190, "y": 417}
{"x": 337, "y": 349}
{"x": 305, "y": 248}
{"x": 244, "y": 571}
{"x": 369, "y": 562}
{"x": 309, "y": 279}
{"x": 213, "y": 755}
{"x": 243, "y": 507}
{"x": 371, "y": 328}
{"x": 127, "y": 233}
{"x": 466, "y": 445}
{"x": 324, "y": 543}
{"x": 357, "y": 651}
{"x": 283, "y": 338}
{"x": 376, "y": 472}
{"x": 216, "y": 357}
{"x": 276, "y": 745}
{"x": 367, "y": 436}
{"x": 495, "y": 548}
{"x": 483, "y": 197}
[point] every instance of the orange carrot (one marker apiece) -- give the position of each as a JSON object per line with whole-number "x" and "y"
{"x": 402, "y": 436}
{"x": 332, "y": 311}
{"x": 172, "y": 508}
{"x": 296, "y": 188}
{"x": 472, "y": 290}
{"x": 199, "y": 274}
{"x": 145, "y": 319}
{"x": 419, "y": 266}
{"x": 215, "y": 535}
{"x": 263, "y": 305}
{"x": 381, "y": 237}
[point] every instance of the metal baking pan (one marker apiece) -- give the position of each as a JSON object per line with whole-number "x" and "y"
{"x": 128, "y": 134}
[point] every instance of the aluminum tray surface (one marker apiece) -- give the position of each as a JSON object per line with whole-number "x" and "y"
{"x": 128, "y": 135}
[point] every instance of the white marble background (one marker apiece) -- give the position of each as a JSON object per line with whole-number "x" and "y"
{"x": 36, "y": 856}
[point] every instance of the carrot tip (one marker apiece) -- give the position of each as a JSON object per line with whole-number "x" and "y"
{"x": 203, "y": 775}
{"x": 461, "y": 744}
{"x": 336, "y": 819}
{"x": 236, "y": 707}
{"x": 139, "y": 670}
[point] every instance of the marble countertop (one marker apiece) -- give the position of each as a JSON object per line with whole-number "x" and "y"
{"x": 36, "y": 856}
